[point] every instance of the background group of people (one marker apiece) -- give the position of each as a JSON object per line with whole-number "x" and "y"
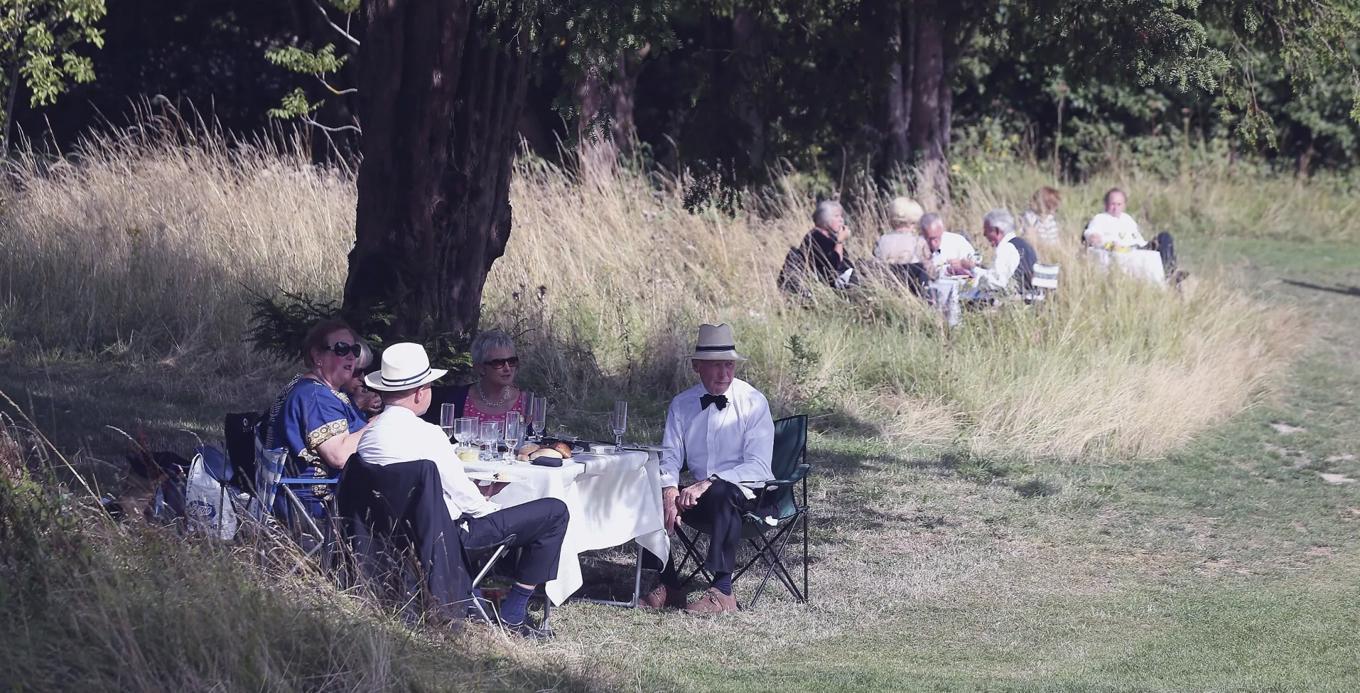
{"x": 932, "y": 260}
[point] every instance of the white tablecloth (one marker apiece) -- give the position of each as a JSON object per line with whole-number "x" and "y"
{"x": 611, "y": 498}
{"x": 1143, "y": 264}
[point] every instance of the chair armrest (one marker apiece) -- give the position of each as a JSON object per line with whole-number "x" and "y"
{"x": 302, "y": 481}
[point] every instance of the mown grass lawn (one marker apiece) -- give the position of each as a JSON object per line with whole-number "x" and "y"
{"x": 1230, "y": 564}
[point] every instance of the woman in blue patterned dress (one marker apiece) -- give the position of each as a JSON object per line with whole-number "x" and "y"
{"x": 313, "y": 418}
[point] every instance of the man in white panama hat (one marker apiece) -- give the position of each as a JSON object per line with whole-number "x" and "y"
{"x": 399, "y": 435}
{"x": 721, "y": 429}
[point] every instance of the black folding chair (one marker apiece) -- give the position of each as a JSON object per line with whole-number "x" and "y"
{"x": 780, "y": 509}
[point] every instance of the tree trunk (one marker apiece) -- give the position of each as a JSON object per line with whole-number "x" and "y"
{"x": 898, "y": 91}
{"x": 440, "y": 93}
{"x": 747, "y": 50}
{"x": 605, "y": 126}
{"x": 932, "y": 102}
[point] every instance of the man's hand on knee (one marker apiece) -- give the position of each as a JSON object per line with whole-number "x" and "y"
{"x": 689, "y": 497}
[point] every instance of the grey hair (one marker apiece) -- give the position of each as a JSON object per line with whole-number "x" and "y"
{"x": 1001, "y": 220}
{"x": 928, "y": 220}
{"x": 365, "y": 357}
{"x": 824, "y": 210}
{"x": 488, "y": 341}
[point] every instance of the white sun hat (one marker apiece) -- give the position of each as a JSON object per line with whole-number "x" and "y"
{"x": 716, "y": 344}
{"x": 405, "y": 366}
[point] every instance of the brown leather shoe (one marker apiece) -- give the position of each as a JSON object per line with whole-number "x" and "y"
{"x": 713, "y": 602}
{"x": 663, "y": 597}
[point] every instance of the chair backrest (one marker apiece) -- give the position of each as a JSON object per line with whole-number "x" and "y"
{"x": 1045, "y": 276}
{"x": 240, "y": 437}
{"x": 398, "y": 509}
{"x": 789, "y": 460}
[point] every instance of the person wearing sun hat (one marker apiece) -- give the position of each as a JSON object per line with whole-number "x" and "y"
{"x": 722, "y": 430}
{"x": 399, "y": 435}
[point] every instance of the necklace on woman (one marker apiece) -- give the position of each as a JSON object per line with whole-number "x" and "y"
{"x": 505, "y": 396}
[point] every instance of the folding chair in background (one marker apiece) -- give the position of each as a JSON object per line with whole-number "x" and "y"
{"x": 781, "y": 511}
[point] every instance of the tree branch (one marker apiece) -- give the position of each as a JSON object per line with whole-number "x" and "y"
{"x": 330, "y": 128}
{"x": 349, "y": 37}
{"x": 333, "y": 90}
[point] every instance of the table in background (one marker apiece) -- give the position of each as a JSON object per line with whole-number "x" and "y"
{"x": 612, "y": 499}
{"x": 1142, "y": 264}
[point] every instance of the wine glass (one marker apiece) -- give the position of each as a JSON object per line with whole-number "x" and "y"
{"x": 489, "y": 439}
{"x": 539, "y": 413}
{"x": 514, "y": 424}
{"x": 447, "y": 416}
{"x": 619, "y": 421}
{"x": 465, "y": 429}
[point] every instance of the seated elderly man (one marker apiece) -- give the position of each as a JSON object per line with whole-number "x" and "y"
{"x": 823, "y": 248}
{"x": 399, "y": 435}
{"x": 946, "y": 249}
{"x": 903, "y": 249}
{"x": 722, "y": 430}
{"x": 1013, "y": 268}
{"x": 1114, "y": 229}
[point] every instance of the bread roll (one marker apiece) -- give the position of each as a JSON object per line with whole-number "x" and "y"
{"x": 523, "y": 453}
{"x": 545, "y": 452}
{"x": 562, "y": 447}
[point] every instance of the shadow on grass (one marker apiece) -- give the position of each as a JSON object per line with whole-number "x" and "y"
{"x": 1343, "y": 290}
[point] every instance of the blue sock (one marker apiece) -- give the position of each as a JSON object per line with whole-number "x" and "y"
{"x": 723, "y": 581}
{"x": 515, "y": 606}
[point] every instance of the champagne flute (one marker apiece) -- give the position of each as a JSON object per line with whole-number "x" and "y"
{"x": 619, "y": 421}
{"x": 465, "y": 429}
{"x": 489, "y": 439}
{"x": 447, "y": 416}
{"x": 539, "y": 413}
{"x": 514, "y": 424}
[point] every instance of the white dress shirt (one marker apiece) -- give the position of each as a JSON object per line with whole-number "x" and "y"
{"x": 735, "y": 443}
{"x": 1122, "y": 230}
{"x": 998, "y": 276}
{"x": 953, "y": 246}
{"x": 398, "y": 435}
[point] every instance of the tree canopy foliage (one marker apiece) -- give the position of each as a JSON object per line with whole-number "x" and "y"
{"x": 42, "y": 44}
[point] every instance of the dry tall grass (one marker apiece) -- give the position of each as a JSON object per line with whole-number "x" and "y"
{"x": 161, "y": 237}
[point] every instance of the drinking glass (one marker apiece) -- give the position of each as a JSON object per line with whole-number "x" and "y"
{"x": 447, "y": 416}
{"x": 489, "y": 438}
{"x": 514, "y": 424}
{"x": 539, "y": 414}
{"x": 465, "y": 429}
{"x": 619, "y": 421}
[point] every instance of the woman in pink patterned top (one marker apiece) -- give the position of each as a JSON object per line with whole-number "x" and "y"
{"x": 494, "y": 393}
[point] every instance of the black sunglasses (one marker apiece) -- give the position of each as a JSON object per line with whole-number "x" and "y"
{"x": 512, "y": 361}
{"x": 343, "y": 348}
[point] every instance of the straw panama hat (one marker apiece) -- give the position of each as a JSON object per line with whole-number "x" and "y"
{"x": 905, "y": 210}
{"x": 716, "y": 344}
{"x": 404, "y": 367}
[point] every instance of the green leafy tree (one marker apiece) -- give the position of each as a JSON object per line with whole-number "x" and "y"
{"x": 40, "y": 44}
{"x": 323, "y": 65}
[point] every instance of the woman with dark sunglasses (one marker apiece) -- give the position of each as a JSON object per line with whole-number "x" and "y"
{"x": 313, "y": 417}
{"x": 494, "y": 393}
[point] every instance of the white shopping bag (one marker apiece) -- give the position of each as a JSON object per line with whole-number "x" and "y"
{"x": 207, "y": 503}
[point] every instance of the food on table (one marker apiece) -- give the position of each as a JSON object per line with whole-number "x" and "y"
{"x": 546, "y": 452}
{"x": 562, "y": 447}
{"x": 528, "y": 449}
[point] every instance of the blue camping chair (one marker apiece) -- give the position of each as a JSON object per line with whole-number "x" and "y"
{"x": 286, "y": 497}
{"x": 769, "y": 533}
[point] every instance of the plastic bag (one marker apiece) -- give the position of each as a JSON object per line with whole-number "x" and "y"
{"x": 208, "y": 505}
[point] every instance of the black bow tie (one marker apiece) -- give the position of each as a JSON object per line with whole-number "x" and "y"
{"x": 719, "y": 401}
